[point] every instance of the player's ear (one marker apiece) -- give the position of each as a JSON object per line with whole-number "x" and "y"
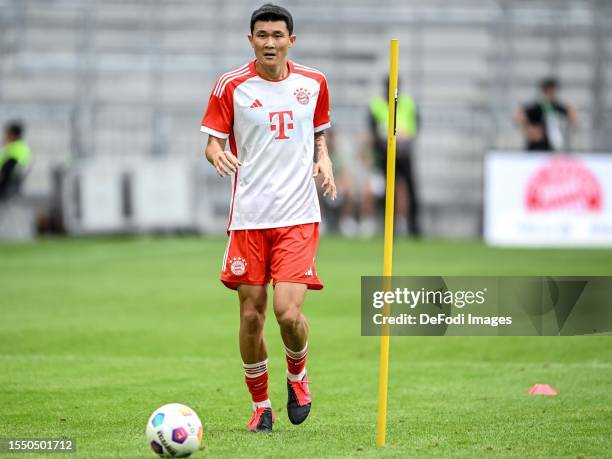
{"x": 250, "y": 37}
{"x": 292, "y": 40}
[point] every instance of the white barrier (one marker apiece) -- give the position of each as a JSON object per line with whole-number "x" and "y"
{"x": 143, "y": 194}
{"x": 16, "y": 220}
{"x": 538, "y": 199}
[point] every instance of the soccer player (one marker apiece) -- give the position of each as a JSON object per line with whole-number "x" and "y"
{"x": 274, "y": 113}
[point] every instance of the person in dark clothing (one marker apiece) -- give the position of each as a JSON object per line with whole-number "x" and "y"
{"x": 407, "y": 122}
{"x": 15, "y": 157}
{"x": 543, "y": 121}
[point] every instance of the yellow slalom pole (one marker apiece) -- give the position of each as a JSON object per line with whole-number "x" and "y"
{"x": 381, "y": 430}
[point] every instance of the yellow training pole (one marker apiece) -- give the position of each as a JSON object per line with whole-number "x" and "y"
{"x": 388, "y": 250}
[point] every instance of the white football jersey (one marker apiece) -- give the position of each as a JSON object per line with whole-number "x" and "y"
{"x": 271, "y": 127}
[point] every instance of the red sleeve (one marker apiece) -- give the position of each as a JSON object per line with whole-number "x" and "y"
{"x": 219, "y": 117}
{"x": 321, "y": 115}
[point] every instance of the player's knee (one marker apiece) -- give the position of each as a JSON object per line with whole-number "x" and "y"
{"x": 289, "y": 318}
{"x": 252, "y": 320}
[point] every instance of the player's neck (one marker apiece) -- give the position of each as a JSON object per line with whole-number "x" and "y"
{"x": 276, "y": 72}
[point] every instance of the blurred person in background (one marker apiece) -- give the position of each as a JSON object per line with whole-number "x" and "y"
{"x": 15, "y": 157}
{"x": 407, "y": 122}
{"x": 355, "y": 183}
{"x": 544, "y": 122}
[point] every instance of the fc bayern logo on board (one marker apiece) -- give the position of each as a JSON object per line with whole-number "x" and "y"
{"x": 563, "y": 183}
{"x": 238, "y": 266}
{"x": 302, "y": 95}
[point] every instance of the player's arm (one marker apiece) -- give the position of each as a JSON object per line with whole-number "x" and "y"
{"x": 223, "y": 161}
{"x": 7, "y": 169}
{"x": 323, "y": 165}
{"x": 572, "y": 116}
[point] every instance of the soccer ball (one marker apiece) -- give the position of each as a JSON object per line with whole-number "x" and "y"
{"x": 174, "y": 430}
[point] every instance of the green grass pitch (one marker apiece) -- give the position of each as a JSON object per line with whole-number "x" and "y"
{"x": 97, "y": 333}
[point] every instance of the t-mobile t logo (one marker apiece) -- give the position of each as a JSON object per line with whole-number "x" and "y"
{"x": 280, "y": 126}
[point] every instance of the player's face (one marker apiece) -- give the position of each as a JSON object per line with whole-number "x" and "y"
{"x": 550, "y": 93}
{"x": 271, "y": 42}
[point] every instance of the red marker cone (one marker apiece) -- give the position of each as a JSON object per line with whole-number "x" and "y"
{"x": 542, "y": 389}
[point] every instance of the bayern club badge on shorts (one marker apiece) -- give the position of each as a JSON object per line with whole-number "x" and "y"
{"x": 238, "y": 266}
{"x": 302, "y": 95}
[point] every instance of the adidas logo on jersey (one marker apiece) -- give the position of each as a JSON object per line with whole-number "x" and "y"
{"x": 256, "y": 104}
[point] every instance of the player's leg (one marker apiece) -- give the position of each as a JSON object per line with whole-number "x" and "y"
{"x": 347, "y": 224}
{"x": 288, "y": 301}
{"x": 413, "y": 200}
{"x": 401, "y": 205}
{"x": 292, "y": 268}
{"x": 254, "y": 352}
{"x": 245, "y": 269}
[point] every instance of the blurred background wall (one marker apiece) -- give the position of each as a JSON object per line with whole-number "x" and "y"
{"x": 131, "y": 78}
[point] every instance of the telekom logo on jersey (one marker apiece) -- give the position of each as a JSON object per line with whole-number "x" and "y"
{"x": 277, "y": 123}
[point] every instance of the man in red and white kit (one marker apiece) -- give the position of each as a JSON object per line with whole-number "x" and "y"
{"x": 274, "y": 113}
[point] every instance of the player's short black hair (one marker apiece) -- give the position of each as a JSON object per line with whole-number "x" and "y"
{"x": 15, "y": 129}
{"x": 270, "y": 12}
{"x": 549, "y": 83}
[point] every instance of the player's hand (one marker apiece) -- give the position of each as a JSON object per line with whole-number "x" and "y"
{"x": 225, "y": 162}
{"x": 324, "y": 167}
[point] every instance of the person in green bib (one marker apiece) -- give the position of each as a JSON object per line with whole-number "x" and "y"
{"x": 15, "y": 158}
{"x": 547, "y": 122}
{"x": 407, "y": 122}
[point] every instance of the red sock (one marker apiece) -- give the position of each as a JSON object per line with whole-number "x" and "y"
{"x": 256, "y": 377}
{"x": 296, "y": 362}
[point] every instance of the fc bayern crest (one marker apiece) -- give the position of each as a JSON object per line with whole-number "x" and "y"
{"x": 562, "y": 183}
{"x": 238, "y": 266}
{"x": 302, "y": 95}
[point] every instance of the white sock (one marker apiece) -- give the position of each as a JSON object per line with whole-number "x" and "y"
{"x": 253, "y": 370}
{"x": 292, "y": 377}
{"x": 266, "y": 404}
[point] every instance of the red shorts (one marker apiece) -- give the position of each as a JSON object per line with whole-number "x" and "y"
{"x": 286, "y": 254}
